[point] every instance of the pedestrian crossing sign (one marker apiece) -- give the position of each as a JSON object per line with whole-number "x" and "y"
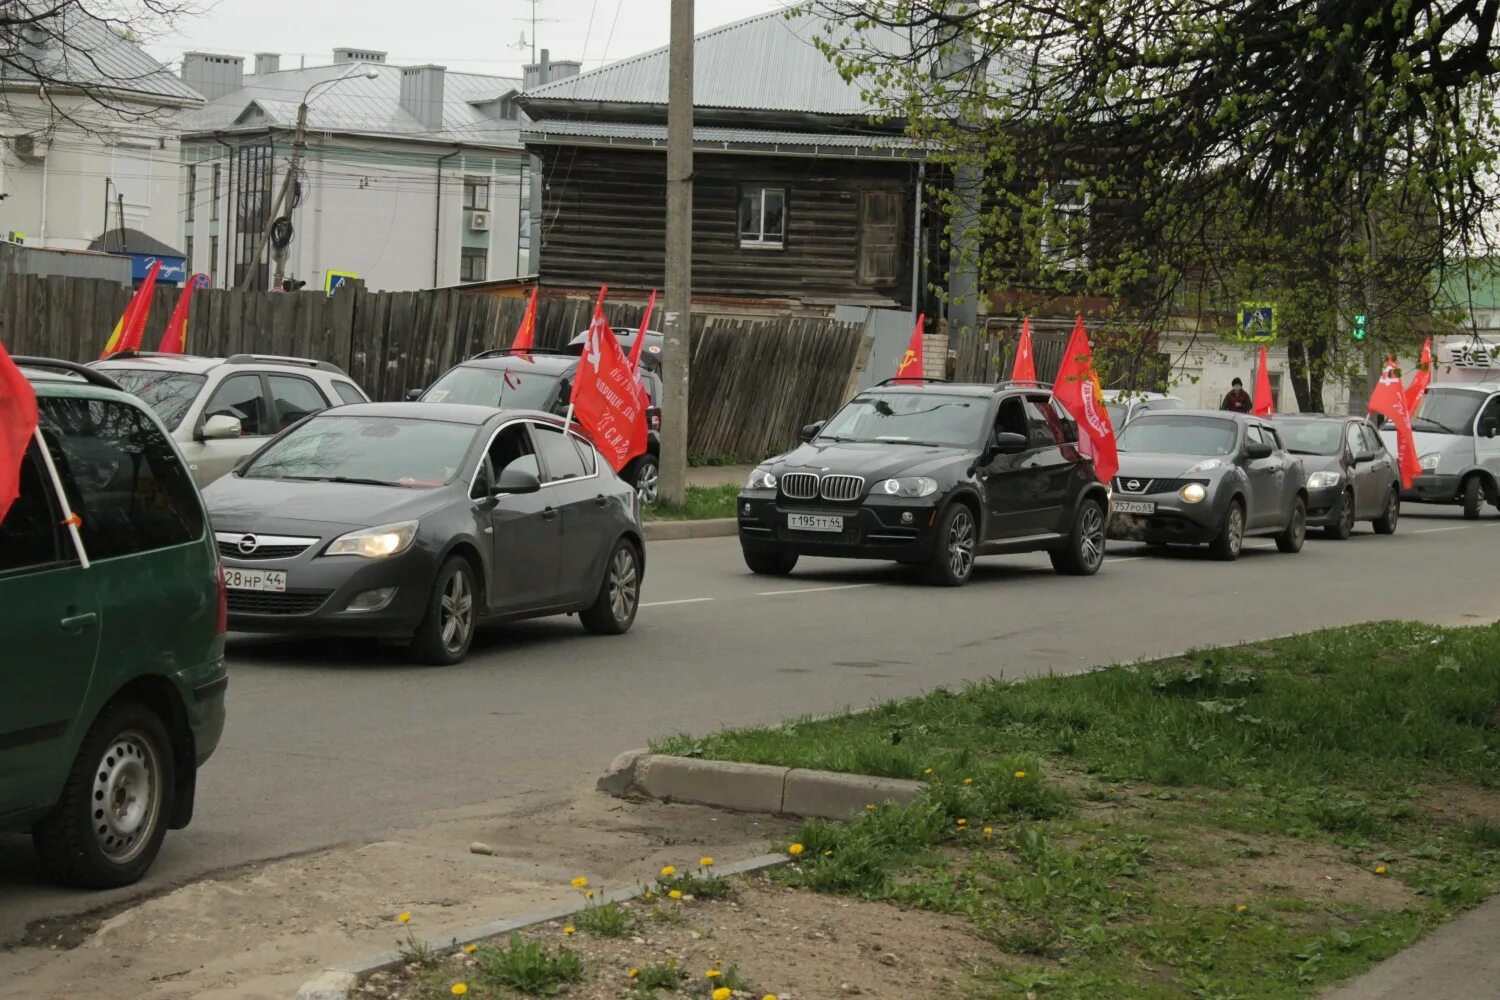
{"x": 1257, "y": 321}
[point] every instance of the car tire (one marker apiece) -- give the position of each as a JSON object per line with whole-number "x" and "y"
{"x": 954, "y": 548}
{"x": 447, "y": 630}
{"x": 1295, "y": 535}
{"x": 644, "y": 476}
{"x": 1227, "y": 544}
{"x": 1385, "y": 524}
{"x": 116, "y": 805}
{"x": 773, "y": 563}
{"x": 619, "y": 599}
{"x": 1473, "y": 497}
{"x": 1083, "y": 553}
{"x": 1343, "y": 525}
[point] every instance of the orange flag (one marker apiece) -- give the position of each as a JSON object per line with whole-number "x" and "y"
{"x": 910, "y": 369}
{"x": 1264, "y": 404}
{"x": 1024, "y": 367}
{"x": 1420, "y": 380}
{"x": 1077, "y": 389}
{"x": 174, "y": 339}
{"x": 128, "y": 325}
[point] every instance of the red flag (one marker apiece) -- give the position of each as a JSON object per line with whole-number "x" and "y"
{"x": 17, "y": 426}
{"x": 135, "y": 326}
{"x": 1077, "y": 389}
{"x": 1264, "y": 403}
{"x": 1420, "y": 380}
{"x": 910, "y": 369}
{"x": 605, "y": 397}
{"x": 117, "y": 339}
{"x": 174, "y": 340}
{"x": 1024, "y": 367}
{"x": 526, "y": 333}
{"x": 640, "y": 337}
{"x": 1389, "y": 400}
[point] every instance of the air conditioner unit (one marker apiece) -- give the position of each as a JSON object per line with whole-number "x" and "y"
{"x": 480, "y": 222}
{"x": 28, "y": 147}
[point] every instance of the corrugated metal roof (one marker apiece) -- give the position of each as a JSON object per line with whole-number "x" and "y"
{"x": 763, "y": 63}
{"x": 75, "y": 48}
{"x": 360, "y": 105}
{"x": 640, "y": 135}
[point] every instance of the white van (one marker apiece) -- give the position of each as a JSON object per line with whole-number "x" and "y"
{"x": 1457, "y": 429}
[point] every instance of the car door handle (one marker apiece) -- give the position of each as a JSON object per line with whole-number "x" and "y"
{"x": 73, "y": 624}
{"x": 549, "y": 513}
{"x": 601, "y": 500}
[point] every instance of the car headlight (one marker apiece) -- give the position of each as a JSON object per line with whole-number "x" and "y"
{"x": 761, "y": 479}
{"x": 912, "y": 486}
{"x": 1193, "y": 493}
{"x": 375, "y": 543}
{"x": 1208, "y": 466}
{"x": 1323, "y": 480}
{"x": 1430, "y": 462}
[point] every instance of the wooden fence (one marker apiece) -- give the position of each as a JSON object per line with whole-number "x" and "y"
{"x": 755, "y": 382}
{"x": 987, "y": 354}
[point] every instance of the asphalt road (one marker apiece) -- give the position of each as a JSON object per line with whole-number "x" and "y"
{"x": 331, "y": 742}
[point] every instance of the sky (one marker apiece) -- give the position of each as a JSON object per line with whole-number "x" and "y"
{"x": 473, "y": 36}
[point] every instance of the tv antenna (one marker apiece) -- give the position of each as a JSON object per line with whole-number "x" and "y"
{"x": 535, "y": 20}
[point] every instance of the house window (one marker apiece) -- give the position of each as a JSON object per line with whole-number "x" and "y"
{"x": 191, "y": 192}
{"x": 213, "y": 206}
{"x": 508, "y": 109}
{"x": 474, "y": 266}
{"x": 880, "y": 228}
{"x": 1065, "y": 238}
{"x": 477, "y": 193}
{"x": 763, "y": 217}
{"x": 213, "y": 255}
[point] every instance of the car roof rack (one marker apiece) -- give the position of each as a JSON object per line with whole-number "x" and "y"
{"x": 507, "y": 352}
{"x": 123, "y": 355}
{"x": 923, "y": 379}
{"x": 1027, "y": 382}
{"x": 281, "y": 359}
{"x": 84, "y": 372}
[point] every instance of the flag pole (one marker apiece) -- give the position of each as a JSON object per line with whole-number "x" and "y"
{"x": 71, "y": 519}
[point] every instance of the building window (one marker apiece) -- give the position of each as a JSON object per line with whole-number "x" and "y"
{"x": 477, "y": 193}
{"x": 252, "y": 210}
{"x": 1065, "y": 237}
{"x": 213, "y": 255}
{"x": 213, "y": 206}
{"x": 474, "y": 266}
{"x": 763, "y": 217}
{"x": 192, "y": 192}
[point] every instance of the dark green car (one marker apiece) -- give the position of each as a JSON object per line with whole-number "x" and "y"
{"x": 112, "y": 677}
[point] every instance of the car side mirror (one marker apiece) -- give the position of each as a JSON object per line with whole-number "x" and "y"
{"x": 1258, "y": 449}
{"x": 1365, "y": 457}
{"x": 413, "y": 395}
{"x": 518, "y": 482}
{"x": 221, "y": 427}
{"x": 1007, "y": 443}
{"x": 812, "y": 430}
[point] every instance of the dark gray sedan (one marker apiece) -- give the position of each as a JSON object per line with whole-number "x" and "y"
{"x": 418, "y": 522}
{"x": 1350, "y": 475}
{"x": 1207, "y": 476}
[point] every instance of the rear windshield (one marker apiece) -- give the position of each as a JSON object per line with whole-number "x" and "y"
{"x": 1171, "y": 434}
{"x": 1312, "y": 437}
{"x": 515, "y": 388}
{"x": 380, "y": 451}
{"x": 170, "y": 394}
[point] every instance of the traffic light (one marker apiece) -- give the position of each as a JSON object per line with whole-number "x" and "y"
{"x": 1361, "y": 326}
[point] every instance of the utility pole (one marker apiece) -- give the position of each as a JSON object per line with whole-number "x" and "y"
{"x": 677, "y": 326}
{"x": 299, "y": 143}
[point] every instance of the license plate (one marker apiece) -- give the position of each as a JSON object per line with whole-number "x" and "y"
{"x": 814, "y": 522}
{"x": 1133, "y": 507}
{"x": 266, "y": 580}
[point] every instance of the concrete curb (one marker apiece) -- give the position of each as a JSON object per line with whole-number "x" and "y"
{"x": 676, "y": 531}
{"x": 336, "y": 982}
{"x": 786, "y": 791}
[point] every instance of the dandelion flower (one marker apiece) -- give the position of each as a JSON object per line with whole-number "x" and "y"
{"x": 570, "y": 930}
{"x": 870, "y": 807}
{"x": 706, "y": 862}
{"x": 405, "y": 917}
{"x": 668, "y": 871}
{"x": 769, "y": 996}
{"x": 580, "y": 882}
{"x": 1242, "y": 908}
{"x": 989, "y": 831}
{"x": 1020, "y": 775}
{"x": 723, "y": 993}
{"x": 589, "y": 894}
{"x": 713, "y": 974}
{"x": 675, "y": 894}
{"x": 968, "y": 781}
{"x": 632, "y": 973}
{"x": 928, "y": 772}
{"x": 795, "y": 850}
{"x": 458, "y": 989}
{"x": 1380, "y": 869}
{"x": 963, "y": 822}
{"x": 827, "y": 854}
{"x": 470, "y": 949}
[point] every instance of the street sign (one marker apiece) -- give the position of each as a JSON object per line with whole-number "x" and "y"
{"x": 200, "y": 281}
{"x": 1257, "y": 321}
{"x": 335, "y": 279}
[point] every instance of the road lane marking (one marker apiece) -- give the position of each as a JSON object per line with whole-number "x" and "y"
{"x": 814, "y": 590}
{"x": 1428, "y": 531}
{"x": 686, "y": 600}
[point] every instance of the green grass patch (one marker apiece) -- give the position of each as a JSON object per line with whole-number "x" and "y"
{"x": 1154, "y": 830}
{"x": 703, "y": 503}
{"x": 608, "y": 920}
{"x": 528, "y": 967}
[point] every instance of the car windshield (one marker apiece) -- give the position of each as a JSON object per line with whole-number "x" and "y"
{"x": 1312, "y": 437}
{"x": 921, "y": 418}
{"x": 1171, "y": 434}
{"x": 1448, "y": 411}
{"x": 515, "y": 388}
{"x": 170, "y": 394}
{"x": 381, "y": 451}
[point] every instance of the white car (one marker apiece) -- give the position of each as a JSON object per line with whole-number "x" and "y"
{"x": 1124, "y": 406}
{"x": 221, "y": 409}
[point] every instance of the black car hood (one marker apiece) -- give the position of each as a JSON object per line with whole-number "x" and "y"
{"x": 874, "y": 461}
{"x": 1144, "y": 465}
{"x": 278, "y": 506}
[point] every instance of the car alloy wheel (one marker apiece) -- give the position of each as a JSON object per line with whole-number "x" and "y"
{"x": 1234, "y": 530}
{"x": 1347, "y": 515}
{"x": 961, "y": 545}
{"x": 457, "y": 610}
{"x": 127, "y": 797}
{"x": 648, "y": 481}
{"x": 624, "y": 584}
{"x": 1091, "y": 537}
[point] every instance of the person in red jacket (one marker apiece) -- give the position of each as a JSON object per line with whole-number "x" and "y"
{"x": 1237, "y": 399}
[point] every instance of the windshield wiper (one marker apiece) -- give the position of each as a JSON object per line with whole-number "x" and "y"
{"x": 1444, "y": 428}
{"x": 348, "y": 480}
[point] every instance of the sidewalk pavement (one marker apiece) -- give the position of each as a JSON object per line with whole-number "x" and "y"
{"x": 1458, "y": 961}
{"x": 719, "y": 475}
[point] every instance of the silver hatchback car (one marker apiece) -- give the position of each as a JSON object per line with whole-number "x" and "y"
{"x": 221, "y": 409}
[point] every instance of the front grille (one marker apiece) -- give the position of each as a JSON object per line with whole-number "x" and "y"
{"x": 1145, "y": 486}
{"x": 849, "y": 536}
{"x": 842, "y": 489}
{"x": 799, "y": 485}
{"x": 231, "y": 550}
{"x": 254, "y": 602}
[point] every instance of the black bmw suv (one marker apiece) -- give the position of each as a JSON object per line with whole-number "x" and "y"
{"x": 930, "y": 475}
